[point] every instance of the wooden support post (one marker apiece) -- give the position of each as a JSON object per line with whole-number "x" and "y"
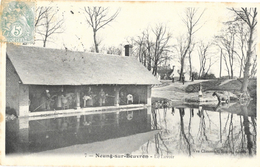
{"x": 149, "y": 117}
{"x": 77, "y": 98}
{"x": 116, "y": 100}
{"x": 149, "y": 95}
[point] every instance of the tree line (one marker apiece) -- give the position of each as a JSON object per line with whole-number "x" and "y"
{"x": 234, "y": 44}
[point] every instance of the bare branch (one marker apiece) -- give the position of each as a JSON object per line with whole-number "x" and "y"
{"x": 97, "y": 18}
{"x": 45, "y": 23}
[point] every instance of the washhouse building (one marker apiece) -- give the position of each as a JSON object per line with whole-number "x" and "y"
{"x": 51, "y": 80}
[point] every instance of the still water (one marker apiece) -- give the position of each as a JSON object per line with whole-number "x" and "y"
{"x": 205, "y": 130}
{"x": 47, "y": 134}
{"x": 184, "y": 129}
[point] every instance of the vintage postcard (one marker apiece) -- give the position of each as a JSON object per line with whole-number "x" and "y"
{"x": 128, "y": 83}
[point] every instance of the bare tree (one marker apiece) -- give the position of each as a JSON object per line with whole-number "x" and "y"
{"x": 180, "y": 49}
{"x": 114, "y": 50}
{"x": 46, "y": 23}
{"x": 142, "y": 48}
{"x": 242, "y": 42}
{"x": 220, "y": 62}
{"x": 205, "y": 59}
{"x": 227, "y": 43}
{"x": 242, "y": 36}
{"x": 152, "y": 47}
{"x": 247, "y": 15}
{"x": 183, "y": 134}
{"x": 190, "y": 51}
{"x": 191, "y": 21}
{"x": 139, "y": 42}
{"x": 93, "y": 47}
{"x": 162, "y": 38}
{"x": 149, "y": 48}
{"x": 97, "y": 18}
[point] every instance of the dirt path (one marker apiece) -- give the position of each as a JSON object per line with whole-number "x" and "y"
{"x": 227, "y": 81}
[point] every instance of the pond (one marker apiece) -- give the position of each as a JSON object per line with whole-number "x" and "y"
{"x": 24, "y": 136}
{"x": 186, "y": 129}
{"x": 190, "y": 129}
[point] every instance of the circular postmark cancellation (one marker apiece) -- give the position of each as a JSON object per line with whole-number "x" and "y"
{"x": 17, "y": 22}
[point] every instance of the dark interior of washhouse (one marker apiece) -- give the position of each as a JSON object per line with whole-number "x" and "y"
{"x": 47, "y": 98}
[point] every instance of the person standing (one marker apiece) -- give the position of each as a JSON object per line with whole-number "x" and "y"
{"x": 122, "y": 98}
{"x": 172, "y": 77}
{"x": 59, "y": 103}
{"x": 88, "y": 98}
{"x": 46, "y": 100}
{"x": 85, "y": 99}
{"x": 64, "y": 101}
{"x": 102, "y": 97}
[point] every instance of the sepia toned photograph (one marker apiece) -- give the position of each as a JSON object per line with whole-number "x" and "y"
{"x": 128, "y": 83}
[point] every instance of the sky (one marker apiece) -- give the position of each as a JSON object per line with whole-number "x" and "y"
{"x": 135, "y": 17}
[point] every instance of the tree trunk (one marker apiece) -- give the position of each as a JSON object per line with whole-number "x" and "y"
{"x": 241, "y": 67}
{"x": 155, "y": 68}
{"x": 190, "y": 67}
{"x": 149, "y": 63}
{"x": 144, "y": 56}
{"x": 95, "y": 41}
{"x": 46, "y": 35}
{"x": 45, "y": 38}
{"x": 220, "y": 64}
{"x": 247, "y": 129}
{"x": 181, "y": 110}
{"x": 225, "y": 60}
{"x": 182, "y": 66}
{"x": 231, "y": 61}
{"x": 44, "y": 42}
{"x": 232, "y": 72}
{"x": 248, "y": 63}
{"x": 140, "y": 55}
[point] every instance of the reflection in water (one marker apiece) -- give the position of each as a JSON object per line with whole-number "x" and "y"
{"x": 182, "y": 113}
{"x": 48, "y": 134}
{"x": 187, "y": 129}
{"x": 204, "y": 130}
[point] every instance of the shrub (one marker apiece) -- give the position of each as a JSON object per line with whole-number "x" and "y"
{"x": 195, "y": 75}
{"x": 208, "y": 76}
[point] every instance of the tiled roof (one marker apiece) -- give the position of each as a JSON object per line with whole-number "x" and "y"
{"x": 43, "y": 66}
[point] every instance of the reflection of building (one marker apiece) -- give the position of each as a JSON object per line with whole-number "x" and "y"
{"x": 51, "y": 133}
{"x": 40, "y": 79}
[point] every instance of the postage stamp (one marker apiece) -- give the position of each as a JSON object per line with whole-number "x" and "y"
{"x": 134, "y": 83}
{"x": 17, "y": 22}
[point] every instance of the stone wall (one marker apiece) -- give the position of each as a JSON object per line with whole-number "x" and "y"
{"x": 12, "y": 86}
{"x": 17, "y": 94}
{"x": 24, "y": 101}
